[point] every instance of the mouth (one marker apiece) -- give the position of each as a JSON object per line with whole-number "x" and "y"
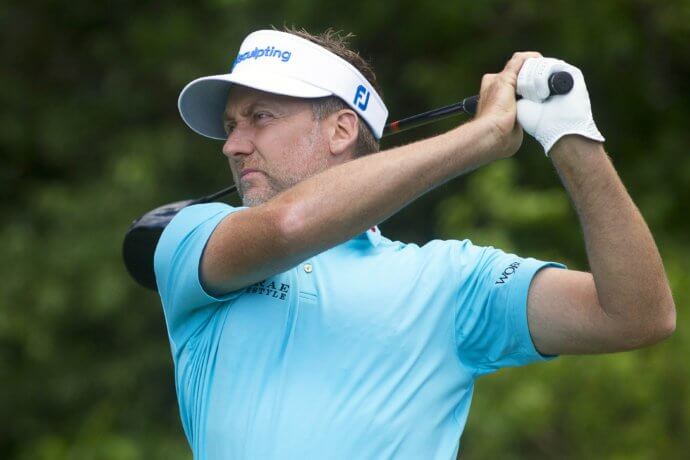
{"x": 248, "y": 171}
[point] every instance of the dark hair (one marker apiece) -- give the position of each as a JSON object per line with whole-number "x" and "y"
{"x": 337, "y": 43}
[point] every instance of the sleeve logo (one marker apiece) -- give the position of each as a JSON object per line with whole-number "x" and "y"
{"x": 510, "y": 269}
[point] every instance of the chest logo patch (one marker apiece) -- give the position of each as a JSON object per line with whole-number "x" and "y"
{"x": 272, "y": 289}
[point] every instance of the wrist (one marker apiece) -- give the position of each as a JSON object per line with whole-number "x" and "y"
{"x": 485, "y": 137}
{"x": 572, "y": 145}
{"x": 575, "y": 157}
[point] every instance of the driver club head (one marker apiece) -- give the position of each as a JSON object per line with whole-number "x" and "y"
{"x": 141, "y": 239}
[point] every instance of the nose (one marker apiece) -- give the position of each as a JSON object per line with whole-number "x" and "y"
{"x": 238, "y": 143}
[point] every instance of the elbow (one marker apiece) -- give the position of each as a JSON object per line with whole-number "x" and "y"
{"x": 667, "y": 326}
{"x": 299, "y": 231}
{"x": 302, "y": 229}
{"x": 289, "y": 226}
{"x": 666, "y": 323}
{"x": 653, "y": 329}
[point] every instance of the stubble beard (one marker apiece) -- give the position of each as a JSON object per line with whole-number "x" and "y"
{"x": 257, "y": 197}
{"x": 277, "y": 185}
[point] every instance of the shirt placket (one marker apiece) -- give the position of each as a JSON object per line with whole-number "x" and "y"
{"x": 307, "y": 284}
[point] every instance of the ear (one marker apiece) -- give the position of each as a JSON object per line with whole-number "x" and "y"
{"x": 344, "y": 131}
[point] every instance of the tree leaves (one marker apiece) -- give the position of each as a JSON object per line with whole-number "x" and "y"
{"x": 90, "y": 139}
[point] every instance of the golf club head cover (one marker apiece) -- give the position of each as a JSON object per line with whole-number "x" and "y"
{"x": 548, "y": 118}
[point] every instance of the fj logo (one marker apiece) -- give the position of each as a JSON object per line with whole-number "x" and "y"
{"x": 510, "y": 269}
{"x": 362, "y": 97}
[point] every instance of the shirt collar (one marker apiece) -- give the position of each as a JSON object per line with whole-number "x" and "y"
{"x": 373, "y": 234}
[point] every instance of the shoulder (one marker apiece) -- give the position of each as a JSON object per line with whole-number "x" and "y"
{"x": 194, "y": 215}
{"x": 464, "y": 259}
{"x": 456, "y": 250}
{"x": 190, "y": 227}
{"x": 461, "y": 256}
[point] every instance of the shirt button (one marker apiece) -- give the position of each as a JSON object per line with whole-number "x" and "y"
{"x": 308, "y": 268}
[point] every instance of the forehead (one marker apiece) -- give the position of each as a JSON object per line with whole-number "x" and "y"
{"x": 242, "y": 98}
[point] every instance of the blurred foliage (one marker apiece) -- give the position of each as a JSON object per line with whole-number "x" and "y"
{"x": 90, "y": 138}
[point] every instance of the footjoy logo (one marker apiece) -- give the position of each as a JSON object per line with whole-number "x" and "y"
{"x": 361, "y": 97}
{"x": 269, "y": 51}
{"x": 510, "y": 269}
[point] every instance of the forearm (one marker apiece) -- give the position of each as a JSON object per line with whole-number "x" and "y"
{"x": 345, "y": 200}
{"x": 628, "y": 272}
{"x": 342, "y": 201}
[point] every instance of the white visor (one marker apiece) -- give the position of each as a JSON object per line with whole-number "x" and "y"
{"x": 280, "y": 63}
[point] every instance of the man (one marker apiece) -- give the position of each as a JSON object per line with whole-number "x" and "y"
{"x": 299, "y": 331}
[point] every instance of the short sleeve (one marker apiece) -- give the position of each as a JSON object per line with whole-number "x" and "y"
{"x": 177, "y": 259}
{"x": 491, "y": 309}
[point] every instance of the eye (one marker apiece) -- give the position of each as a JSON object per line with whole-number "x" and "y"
{"x": 262, "y": 116}
{"x": 229, "y": 127}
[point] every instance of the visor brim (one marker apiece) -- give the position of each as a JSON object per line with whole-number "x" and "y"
{"x": 203, "y": 101}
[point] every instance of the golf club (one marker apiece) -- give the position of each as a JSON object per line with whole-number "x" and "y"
{"x": 143, "y": 234}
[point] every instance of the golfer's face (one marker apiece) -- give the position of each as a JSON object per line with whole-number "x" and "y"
{"x": 273, "y": 143}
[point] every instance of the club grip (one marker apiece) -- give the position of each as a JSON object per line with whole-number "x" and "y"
{"x": 559, "y": 83}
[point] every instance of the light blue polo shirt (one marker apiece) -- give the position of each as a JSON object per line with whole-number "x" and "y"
{"x": 366, "y": 351}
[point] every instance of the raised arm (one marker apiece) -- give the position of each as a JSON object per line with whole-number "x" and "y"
{"x": 335, "y": 205}
{"x": 625, "y": 302}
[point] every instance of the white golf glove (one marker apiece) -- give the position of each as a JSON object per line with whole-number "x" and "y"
{"x": 546, "y": 118}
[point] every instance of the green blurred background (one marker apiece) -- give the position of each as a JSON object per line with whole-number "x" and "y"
{"x": 90, "y": 138}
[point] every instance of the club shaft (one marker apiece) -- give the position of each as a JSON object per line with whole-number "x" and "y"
{"x": 215, "y": 196}
{"x": 559, "y": 83}
{"x": 427, "y": 117}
